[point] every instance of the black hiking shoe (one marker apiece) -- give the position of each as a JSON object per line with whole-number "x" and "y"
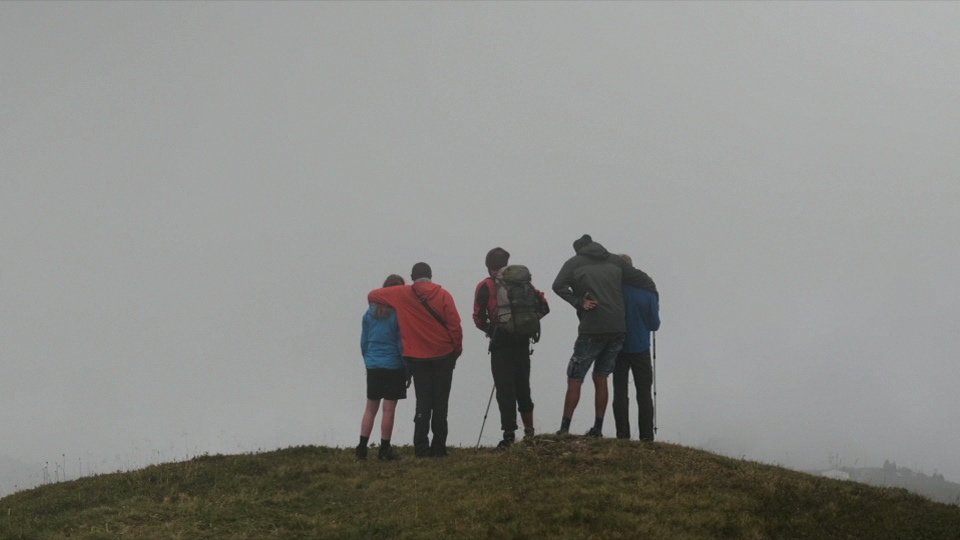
{"x": 438, "y": 451}
{"x": 507, "y": 442}
{"x": 361, "y": 451}
{"x": 562, "y": 431}
{"x": 595, "y": 433}
{"x": 528, "y": 432}
{"x": 387, "y": 453}
{"x": 421, "y": 451}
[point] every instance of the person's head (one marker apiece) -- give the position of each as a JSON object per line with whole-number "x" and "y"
{"x": 383, "y": 311}
{"x": 393, "y": 280}
{"x": 581, "y": 242}
{"x": 496, "y": 259}
{"x": 421, "y": 270}
{"x": 626, "y": 258}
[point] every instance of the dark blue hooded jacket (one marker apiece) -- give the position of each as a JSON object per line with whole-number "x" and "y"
{"x": 643, "y": 316}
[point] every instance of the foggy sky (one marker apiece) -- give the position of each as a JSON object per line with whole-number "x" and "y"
{"x": 196, "y": 198}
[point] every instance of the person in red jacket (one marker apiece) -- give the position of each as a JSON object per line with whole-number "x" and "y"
{"x": 432, "y": 341}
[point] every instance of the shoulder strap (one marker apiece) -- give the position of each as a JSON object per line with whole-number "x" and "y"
{"x": 429, "y": 308}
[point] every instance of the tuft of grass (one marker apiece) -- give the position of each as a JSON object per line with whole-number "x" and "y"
{"x": 544, "y": 487}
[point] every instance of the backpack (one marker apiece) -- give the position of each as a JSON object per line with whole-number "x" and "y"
{"x": 518, "y": 303}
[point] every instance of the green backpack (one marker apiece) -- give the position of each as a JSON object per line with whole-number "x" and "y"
{"x": 518, "y": 303}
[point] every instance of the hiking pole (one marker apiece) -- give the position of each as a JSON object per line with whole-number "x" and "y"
{"x": 485, "y": 414}
{"x": 654, "y": 383}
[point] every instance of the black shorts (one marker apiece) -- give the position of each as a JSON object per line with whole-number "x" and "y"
{"x": 386, "y": 384}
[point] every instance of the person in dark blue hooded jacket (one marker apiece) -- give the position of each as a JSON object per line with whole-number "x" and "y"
{"x": 642, "y": 317}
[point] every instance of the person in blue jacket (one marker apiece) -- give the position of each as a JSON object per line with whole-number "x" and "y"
{"x": 642, "y": 308}
{"x": 386, "y": 379}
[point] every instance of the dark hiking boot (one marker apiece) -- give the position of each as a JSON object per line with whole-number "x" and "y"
{"x": 421, "y": 451}
{"x": 361, "y": 451}
{"x": 387, "y": 453}
{"x": 563, "y": 431}
{"x": 507, "y": 442}
{"x": 527, "y": 418}
{"x": 595, "y": 433}
{"x": 438, "y": 451}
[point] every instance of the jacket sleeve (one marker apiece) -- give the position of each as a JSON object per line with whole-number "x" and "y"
{"x": 563, "y": 284}
{"x": 396, "y": 330}
{"x": 653, "y": 313}
{"x": 544, "y": 307}
{"x": 481, "y": 315}
{"x": 386, "y": 296}
{"x": 452, "y": 319}
{"x": 364, "y": 335}
{"x": 634, "y": 276}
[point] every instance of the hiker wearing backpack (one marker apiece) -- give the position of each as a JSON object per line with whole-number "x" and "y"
{"x": 508, "y": 309}
{"x": 642, "y": 317}
{"x": 432, "y": 342}
{"x": 386, "y": 380}
{"x": 591, "y": 281}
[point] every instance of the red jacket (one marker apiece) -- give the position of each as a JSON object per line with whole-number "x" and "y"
{"x": 422, "y": 335}
{"x": 485, "y": 305}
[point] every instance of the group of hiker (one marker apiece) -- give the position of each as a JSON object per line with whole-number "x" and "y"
{"x": 413, "y": 333}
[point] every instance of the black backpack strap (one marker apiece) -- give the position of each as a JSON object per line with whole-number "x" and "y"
{"x": 430, "y": 308}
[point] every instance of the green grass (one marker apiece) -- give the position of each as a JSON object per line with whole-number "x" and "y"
{"x": 548, "y": 487}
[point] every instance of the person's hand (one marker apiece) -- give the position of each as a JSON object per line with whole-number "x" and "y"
{"x": 589, "y": 304}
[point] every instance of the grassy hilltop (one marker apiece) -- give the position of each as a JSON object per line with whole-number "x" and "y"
{"x": 548, "y": 487}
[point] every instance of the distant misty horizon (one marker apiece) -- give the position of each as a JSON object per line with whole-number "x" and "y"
{"x": 195, "y": 200}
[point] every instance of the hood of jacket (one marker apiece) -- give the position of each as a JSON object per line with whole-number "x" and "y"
{"x": 425, "y": 289}
{"x": 594, "y": 250}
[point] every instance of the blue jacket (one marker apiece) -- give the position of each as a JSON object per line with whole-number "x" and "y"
{"x": 643, "y": 316}
{"x": 380, "y": 341}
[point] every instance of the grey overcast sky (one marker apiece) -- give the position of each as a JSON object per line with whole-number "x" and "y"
{"x": 196, "y": 198}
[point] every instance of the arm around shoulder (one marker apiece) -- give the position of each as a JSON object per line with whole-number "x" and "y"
{"x": 387, "y": 295}
{"x": 634, "y": 276}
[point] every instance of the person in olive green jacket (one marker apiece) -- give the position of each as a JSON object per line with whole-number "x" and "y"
{"x": 591, "y": 281}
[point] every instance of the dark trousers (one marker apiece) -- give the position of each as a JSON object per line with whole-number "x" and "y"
{"x": 431, "y": 380}
{"x": 639, "y": 363}
{"x": 510, "y": 364}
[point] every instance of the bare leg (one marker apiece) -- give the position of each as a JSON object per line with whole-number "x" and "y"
{"x": 366, "y": 425}
{"x": 572, "y": 398}
{"x": 600, "y": 401}
{"x": 386, "y": 423}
